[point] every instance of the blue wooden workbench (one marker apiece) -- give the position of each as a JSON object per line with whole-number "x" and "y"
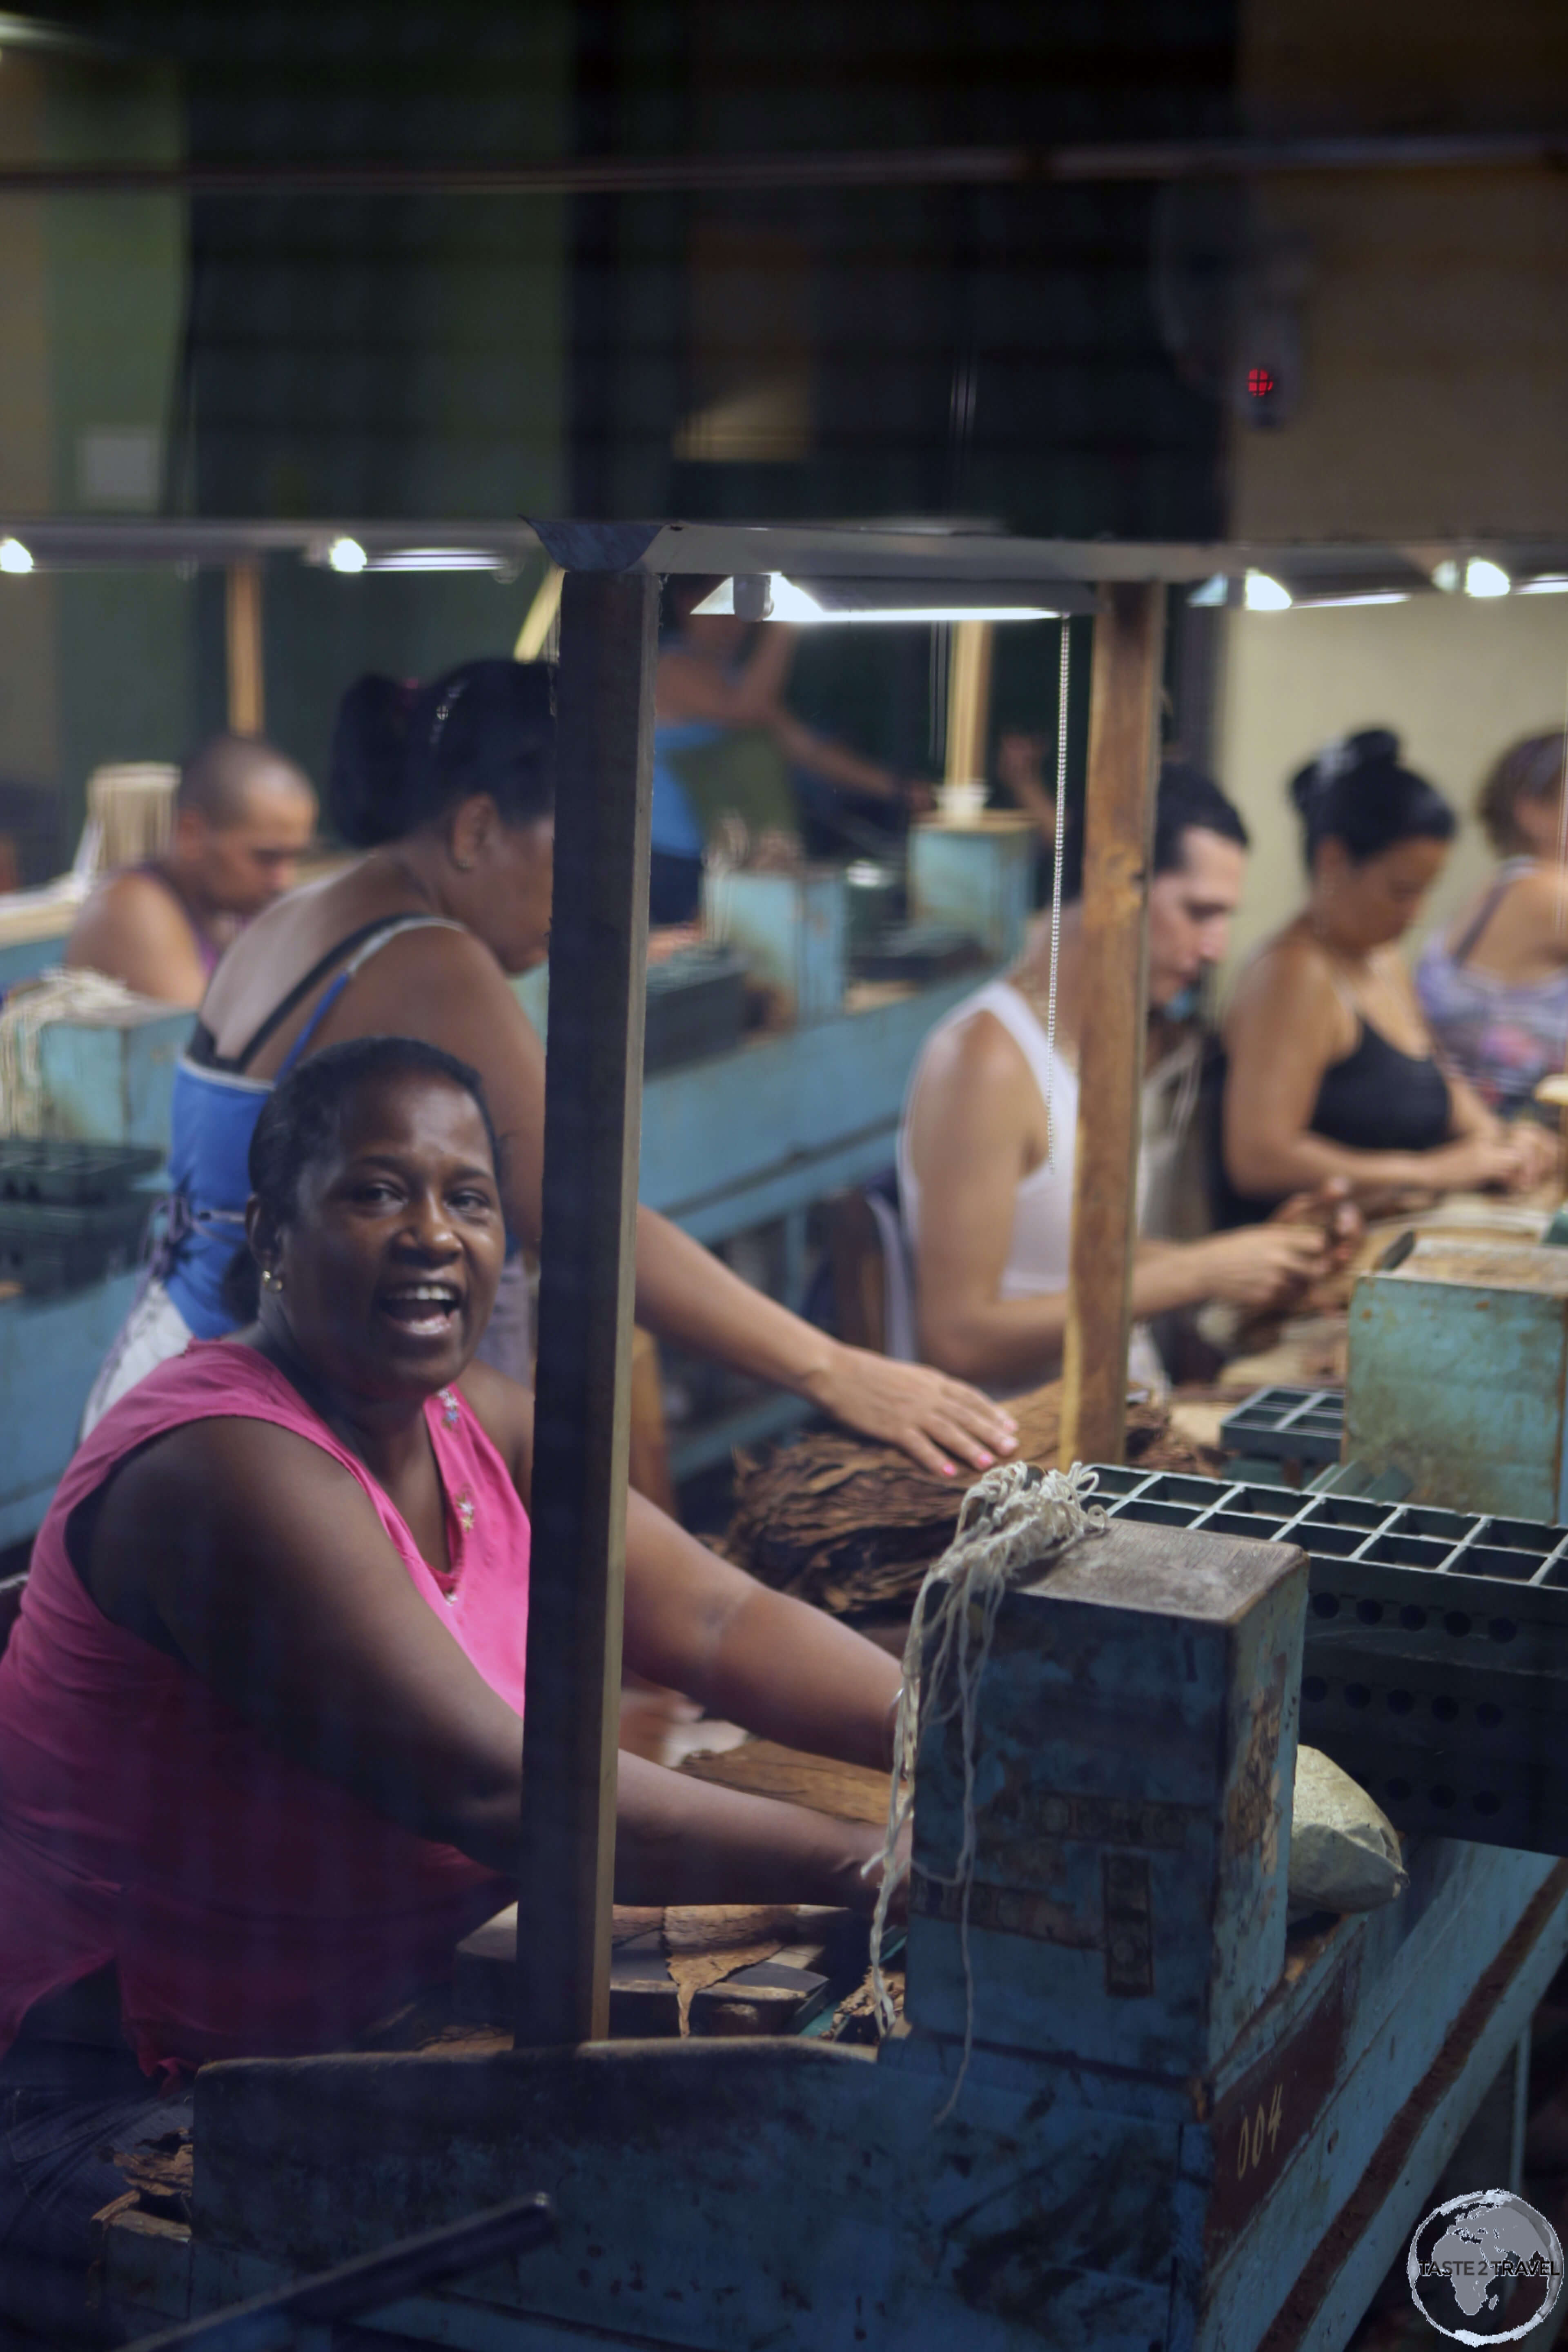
{"x": 728, "y": 1144}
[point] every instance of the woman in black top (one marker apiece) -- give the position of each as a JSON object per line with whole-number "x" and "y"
{"x": 1331, "y": 1070}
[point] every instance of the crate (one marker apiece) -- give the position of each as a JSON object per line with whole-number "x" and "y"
{"x": 51, "y": 1171}
{"x": 1458, "y": 1373}
{"x": 790, "y": 930}
{"x": 1437, "y": 1653}
{"x": 917, "y": 952}
{"x": 696, "y": 1007}
{"x": 51, "y": 1248}
{"x": 1305, "y": 1425}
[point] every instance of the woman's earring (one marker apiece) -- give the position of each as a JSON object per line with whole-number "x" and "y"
{"x": 271, "y": 1281}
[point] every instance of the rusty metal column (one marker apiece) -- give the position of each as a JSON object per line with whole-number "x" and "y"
{"x": 593, "y": 1095}
{"x": 1118, "y": 828}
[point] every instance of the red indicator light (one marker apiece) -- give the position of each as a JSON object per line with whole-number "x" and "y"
{"x": 1259, "y": 383}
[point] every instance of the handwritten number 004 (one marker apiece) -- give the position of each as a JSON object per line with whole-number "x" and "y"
{"x": 1263, "y": 2126}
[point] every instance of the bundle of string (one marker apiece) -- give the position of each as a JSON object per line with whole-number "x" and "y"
{"x": 1013, "y": 1520}
{"x": 56, "y": 995}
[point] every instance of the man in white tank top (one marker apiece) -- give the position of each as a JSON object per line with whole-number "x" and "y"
{"x": 985, "y": 1150}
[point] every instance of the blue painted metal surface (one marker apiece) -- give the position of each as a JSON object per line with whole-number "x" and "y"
{"x": 50, "y": 1350}
{"x": 113, "y": 1083}
{"x": 1459, "y": 1375}
{"x": 730, "y": 1143}
{"x": 24, "y": 959}
{"x": 1133, "y": 1801}
{"x": 107, "y": 1082}
{"x": 790, "y": 930}
{"x": 979, "y": 877}
{"x": 814, "y": 2199}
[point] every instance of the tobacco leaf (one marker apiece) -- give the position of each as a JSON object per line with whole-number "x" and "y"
{"x": 848, "y": 1793}
{"x": 853, "y": 1526}
{"x": 708, "y": 1942}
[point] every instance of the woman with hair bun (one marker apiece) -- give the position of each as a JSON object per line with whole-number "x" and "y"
{"x": 1495, "y": 986}
{"x": 1331, "y": 1070}
{"x": 449, "y": 790}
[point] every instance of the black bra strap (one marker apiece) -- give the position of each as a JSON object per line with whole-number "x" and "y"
{"x": 295, "y": 997}
{"x": 1465, "y": 948}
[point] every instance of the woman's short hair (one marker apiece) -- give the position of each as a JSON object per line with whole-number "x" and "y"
{"x": 302, "y": 1115}
{"x": 1355, "y": 792}
{"x": 1533, "y": 768}
{"x": 405, "y": 754}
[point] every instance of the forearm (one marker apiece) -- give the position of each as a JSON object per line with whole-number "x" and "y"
{"x": 687, "y": 1295}
{"x": 1035, "y": 802}
{"x": 1272, "y": 1168}
{"x": 1001, "y": 1342}
{"x": 833, "y": 762}
{"x": 683, "y": 1841}
{"x": 1170, "y": 1274}
{"x": 792, "y": 1674}
{"x": 1467, "y": 1113}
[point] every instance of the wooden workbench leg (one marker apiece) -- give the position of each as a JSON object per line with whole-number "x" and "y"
{"x": 1119, "y": 826}
{"x": 593, "y": 1093}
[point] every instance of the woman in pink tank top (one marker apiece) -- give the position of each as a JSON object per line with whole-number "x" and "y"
{"x": 260, "y": 1737}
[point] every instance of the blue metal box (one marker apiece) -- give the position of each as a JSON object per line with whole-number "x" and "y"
{"x": 1136, "y": 1750}
{"x": 790, "y": 930}
{"x": 1459, "y": 1356}
{"x": 979, "y": 877}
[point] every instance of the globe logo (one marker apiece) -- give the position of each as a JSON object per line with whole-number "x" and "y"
{"x": 1485, "y": 2268}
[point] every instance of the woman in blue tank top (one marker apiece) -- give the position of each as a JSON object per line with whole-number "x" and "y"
{"x": 449, "y": 790}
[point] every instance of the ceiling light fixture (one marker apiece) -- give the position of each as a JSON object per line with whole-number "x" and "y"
{"x": 1484, "y": 579}
{"x": 1211, "y": 593}
{"x": 347, "y": 555}
{"x": 1263, "y": 593}
{"x": 1358, "y": 596}
{"x": 771, "y": 596}
{"x": 14, "y": 556}
{"x": 1550, "y": 584}
{"x": 436, "y": 559}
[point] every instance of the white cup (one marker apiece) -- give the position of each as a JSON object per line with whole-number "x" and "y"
{"x": 960, "y": 804}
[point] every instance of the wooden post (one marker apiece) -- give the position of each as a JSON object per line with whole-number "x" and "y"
{"x": 968, "y": 701}
{"x": 246, "y": 689}
{"x": 593, "y": 1096}
{"x": 1118, "y": 828}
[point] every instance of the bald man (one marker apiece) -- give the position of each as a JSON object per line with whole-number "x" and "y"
{"x": 243, "y": 816}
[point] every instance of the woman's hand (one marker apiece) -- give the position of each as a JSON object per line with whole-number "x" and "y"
{"x": 1334, "y": 1212}
{"x": 1263, "y": 1265}
{"x": 1494, "y": 1160}
{"x": 925, "y": 1414}
{"x": 1540, "y": 1153}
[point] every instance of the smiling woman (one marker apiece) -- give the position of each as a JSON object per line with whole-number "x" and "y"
{"x": 260, "y": 1718}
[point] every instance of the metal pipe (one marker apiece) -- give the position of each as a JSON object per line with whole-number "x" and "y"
{"x": 875, "y": 167}
{"x": 367, "y": 2285}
